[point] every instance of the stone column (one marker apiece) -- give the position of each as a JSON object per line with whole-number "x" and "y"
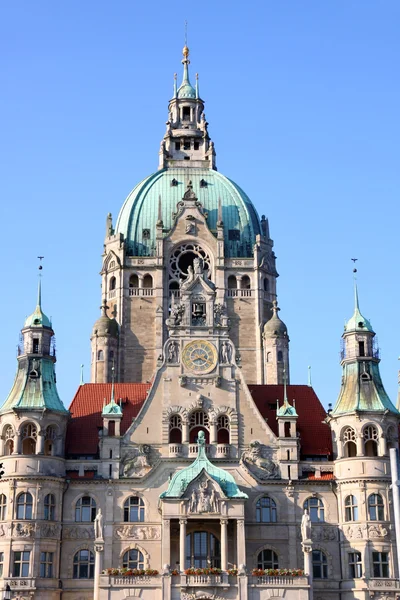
{"x": 224, "y": 544}
{"x": 182, "y": 543}
{"x": 98, "y": 563}
{"x": 241, "y": 544}
{"x": 360, "y": 445}
{"x": 18, "y": 443}
{"x": 185, "y": 432}
{"x": 41, "y": 441}
{"x": 308, "y": 566}
{"x": 213, "y": 432}
{"x": 166, "y": 543}
{"x": 394, "y": 470}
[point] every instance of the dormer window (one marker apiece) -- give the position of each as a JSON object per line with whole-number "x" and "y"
{"x": 174, "y": 181}
{"x": 186, "y": 113}
{"x": 203, "y": 182}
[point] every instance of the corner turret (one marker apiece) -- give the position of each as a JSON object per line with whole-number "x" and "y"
{"x": 104, "y": 340}
{"x": 276, "y": 348}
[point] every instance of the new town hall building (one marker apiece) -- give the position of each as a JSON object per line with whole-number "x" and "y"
{"x": 190, "y": 448}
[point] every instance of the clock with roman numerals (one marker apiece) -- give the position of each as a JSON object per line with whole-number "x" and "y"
{"x": 200, "y": 357}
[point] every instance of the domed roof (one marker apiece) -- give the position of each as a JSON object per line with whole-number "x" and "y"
{"x": 275, "y": 327}
{"x": 357, "y": 322}
{"x": 38, "y": 318}
{"x": 104, "y": 325}
{"x": 140, "y": 210}
{"x": 186, "y": 90}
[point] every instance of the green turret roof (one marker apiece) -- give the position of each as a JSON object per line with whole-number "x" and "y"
{"x": 38, "y": 318}
{"x": 34, "y": 387}
{"x": 362, "y": 391}
{"x": 182, "y": 479}
{"x": 112, "y": 408}
{"x": 357, "y": 321}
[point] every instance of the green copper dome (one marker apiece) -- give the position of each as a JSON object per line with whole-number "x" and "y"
{"x": 138, "y": 216}
{"x": 182, "y": 479}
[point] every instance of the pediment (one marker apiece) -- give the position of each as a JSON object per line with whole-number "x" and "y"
{"x": 204, "y": 495}
{"x": 197, "y": 286}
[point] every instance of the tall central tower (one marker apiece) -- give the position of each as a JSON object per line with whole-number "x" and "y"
{"x": 155, "y": 242}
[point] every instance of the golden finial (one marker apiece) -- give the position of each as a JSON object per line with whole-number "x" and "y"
{"x": 185, "y": 51}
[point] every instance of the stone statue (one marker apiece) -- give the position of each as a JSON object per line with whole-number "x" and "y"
{"x": 198, "y": 265}
{"x": 213, "y": 501}
{"x": 137, "y": 464}
{"x": 305, "y": 527}
{"x": 256, "y": 461}
{"x": 109, "y": 225}
{"x": 204, "y": 498}
{"x": 226, "y": 353}
{"x": 173, "y": 353}
{"x": 98, "y": 526}
{"x": 193, "y": 501}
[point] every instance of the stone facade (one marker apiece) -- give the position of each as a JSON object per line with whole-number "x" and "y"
{"x": 196, "y": 466}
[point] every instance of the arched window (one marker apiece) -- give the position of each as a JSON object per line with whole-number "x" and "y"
{"x": 320, "y": 565}
{"x": 202, "y": 550}
{"x": 315, "y": 508}
{"x": 113, "y": 284}
{"x": 112, "y": 264}
{"x": 100, "y": 355}
{"x": 351, "y": 508}
{"x": 134, "y": 281}
{"x": 83, "y": 565}
{"x": 147, "y": 281}
{"x": 85, "y": 510}
{"x": 370, "y": 441}
{"x": 349, "y": 441}
{"x": 29, "y": 436}
{"x": 376, "y": 510}
{"x": 50, "y": 436}
{"x": 267, "y": 559}
{"x": 9, "y": 440}
{"x": 49, "y": 507}
{"x": 223, "y": 427}
{"x": 3, "y": 507}
{"x": 245, "y": 283}
{"x": 266, "y": 284}
{"x": 175, "y": 429}
{"x": 232, "y": 282}
{"x": 266, "y": 510}
{"x": 198, "y": 422}
{"x": 24, "y": 506}
{"x": 133, "y": 559}
{"x": 133, "y": 510}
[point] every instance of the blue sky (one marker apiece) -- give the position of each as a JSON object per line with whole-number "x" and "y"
{"x": 302, "y": 100}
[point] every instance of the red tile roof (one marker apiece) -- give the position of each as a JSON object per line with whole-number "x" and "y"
{"x": 86, "y": 408}
{"x": 324, "y": 476}
{"x": 315, "y": 436}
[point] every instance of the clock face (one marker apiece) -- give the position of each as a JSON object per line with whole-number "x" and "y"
{"x": 200, "y": 356}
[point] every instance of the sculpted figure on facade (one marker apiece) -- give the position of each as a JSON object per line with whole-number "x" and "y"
{"x": 136, "y": 462}
{"x": 74, "y": 532}
{"x": 256, "y": 460}
{"x": 305, "y": 527}
{"x": 134, "y": 532}
{"x": 173, "y": 352}
{"x": 24, "y": 530}
{"x": 203, "y": 499}
{"x": 98, "y": 526}
{"x": 226, "y": 353}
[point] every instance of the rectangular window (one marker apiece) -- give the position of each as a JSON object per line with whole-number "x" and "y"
{"x": 46, "y": 564}
{"x": 21, "y": 564}
{"x": 186, "y": 113}
{"x": 196, "y": 145}
{"x": 233, "y": 235}
{"x": 355, "y": 565}
{"x": 186, "y": 145}
{"x": 177, "y": 145}
{"x": 1, "y": 563}
{"x": 380, "y": 562}
{"x": 35, "y": 348}
{"x": 361, "y": 348}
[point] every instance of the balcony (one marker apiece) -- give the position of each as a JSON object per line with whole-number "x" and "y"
{"x": 237, "y": 293}
{"x": 21, "y": 583}
{"x": 175, "y": 450}
{"x": 141, "y": 291}
{"x": 383, "y": 583}
{"x": 204, "y": 580}
{"x": 282, "y": 581}
{"x": 118, "y": 581}
{"x": 194, "y": 449}
{"x": 223, "y": 450}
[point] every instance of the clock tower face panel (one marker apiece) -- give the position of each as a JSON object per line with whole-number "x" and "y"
{"x": 200, "y": 357}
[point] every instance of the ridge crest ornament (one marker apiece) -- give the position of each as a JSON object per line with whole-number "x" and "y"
{"x": 200, "y": 357}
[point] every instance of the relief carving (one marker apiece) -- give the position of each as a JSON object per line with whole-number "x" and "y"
{"x": 74, "y": 532}
{"x": 377, "y": 531}
{"x": 49, "y": 530}
{"x": 203, "y": 500}
{"x": 355, "y": 531}
{"x": 135, "y": 532}
{"x": 135, "y": 462}
{"x": 24, "y": 530}
{"x": 256, "y": 460}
